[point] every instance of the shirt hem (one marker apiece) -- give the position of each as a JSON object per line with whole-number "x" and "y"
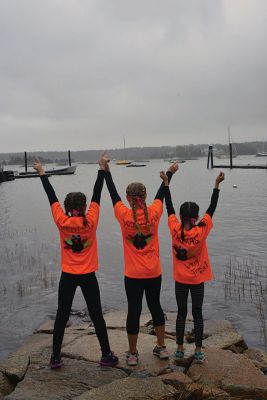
{"x": 143, "y": 277}
{"x": 83, "y": 272}
{"x": 194, "y": 283}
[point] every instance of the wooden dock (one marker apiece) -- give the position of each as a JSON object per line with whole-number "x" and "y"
{"x": 210, "y": 163}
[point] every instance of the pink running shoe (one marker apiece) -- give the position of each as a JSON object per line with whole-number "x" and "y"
{"x": 132, "y": 359}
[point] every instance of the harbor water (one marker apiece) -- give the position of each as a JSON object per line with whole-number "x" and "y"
{"x": 30, "y": 256}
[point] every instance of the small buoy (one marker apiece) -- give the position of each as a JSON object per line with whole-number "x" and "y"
{"x": 234, "y": 186}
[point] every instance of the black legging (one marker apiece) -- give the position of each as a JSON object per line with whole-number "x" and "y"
{"x": 197, "y": 295}
{"x": 135, "y": 289}
{"x": 66, "y": 291}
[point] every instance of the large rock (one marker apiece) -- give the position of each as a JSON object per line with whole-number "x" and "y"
{"x": 73, "y": 379}
{"x": 223, "y": 336}
{"x": 15, "y": 367}
{"x": 87, "y": 348}
{"x": 183, "y": 384}
{"x": 170, "y": 324}
{"x": 71, "y": 328}
{"x": 233, "y": 373}
{"x": 132, "y": 389}
{"x": 217, "y": 333}
{"x": 215, "y": 326}
{"x": 34, "y": 347}
{"x": 117, "y": 319}
{"x": 6, "y": 386}
{"x": 258, "y": 357}
{"x": 188, "y": 389}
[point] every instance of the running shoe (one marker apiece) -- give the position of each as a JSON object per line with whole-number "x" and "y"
{"x": 161, "y": 352}
{"x": 110, "y": 360}
{"x": 55, "y": 362}
{"x": 199, "y": 357}
{"x": 132, "y": 359}
{"x": 178, "y": 355}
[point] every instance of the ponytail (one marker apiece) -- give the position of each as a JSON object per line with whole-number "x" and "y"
{"x": 133, "y": 205}
{"x": 146, "y": 215}
{"x": 188, "y": 213}
{"x": 137, "y": 192}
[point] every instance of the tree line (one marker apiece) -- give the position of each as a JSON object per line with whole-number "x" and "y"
{"x": 133, "y": 153}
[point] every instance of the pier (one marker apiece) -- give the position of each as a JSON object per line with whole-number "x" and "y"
{"x": 211, "y": 165}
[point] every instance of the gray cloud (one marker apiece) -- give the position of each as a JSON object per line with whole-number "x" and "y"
{"x": 83, "y": 73}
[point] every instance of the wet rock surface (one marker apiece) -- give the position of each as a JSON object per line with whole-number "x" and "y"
{"x": 25, "y": 374}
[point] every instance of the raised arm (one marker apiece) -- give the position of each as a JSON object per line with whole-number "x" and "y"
{"x": 161, "y": 191}
{"x": 98, "y": 186}
{"x": 100, "y": 178}
{"x": 167, "y": 193}
{"x": 45, "y": 181}
{"x": 115, "y": 197}
{"x": 215, "y": 195}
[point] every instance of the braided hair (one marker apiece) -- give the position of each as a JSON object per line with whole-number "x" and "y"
{"x": 188, "y": 211}
{"x": 75, "y": 205}
{"x": 136, "y": 191}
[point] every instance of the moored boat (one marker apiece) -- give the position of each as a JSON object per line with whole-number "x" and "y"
{"x": 135, "y": 165}
{"x": 262, "y": 154}
{"x": 122, "y": 162}
{"x": 54, "y": 171}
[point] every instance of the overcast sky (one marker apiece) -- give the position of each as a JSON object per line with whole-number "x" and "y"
{"x": 81, "y": 74}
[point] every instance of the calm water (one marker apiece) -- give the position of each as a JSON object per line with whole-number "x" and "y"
{"x": 29, "y": 245}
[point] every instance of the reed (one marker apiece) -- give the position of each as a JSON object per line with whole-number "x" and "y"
{"x": 245, "y": 280}
{"x": 29, "y": 267}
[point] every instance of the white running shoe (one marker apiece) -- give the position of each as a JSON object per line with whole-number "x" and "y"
{"x": 161, "y": 352}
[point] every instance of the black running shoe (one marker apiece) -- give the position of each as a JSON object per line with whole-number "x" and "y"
{"x": 109, "y": 360}
{"x": 55, "y": 362}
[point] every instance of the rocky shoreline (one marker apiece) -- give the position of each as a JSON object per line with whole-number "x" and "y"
{"x": 230, "y": 371}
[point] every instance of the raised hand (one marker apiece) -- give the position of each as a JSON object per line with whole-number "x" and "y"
{"x": 174, "y": 167}
{"x": 103, "y": 162}
{"x": 219, "y": 179}
{"x": 164, "y": 177}
{"x": 38, "y": 166}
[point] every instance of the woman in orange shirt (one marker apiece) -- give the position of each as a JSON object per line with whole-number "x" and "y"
{"x": 191, "y": 264}
{"x": 139, "y": 227}
{"x": 79, "y": 261}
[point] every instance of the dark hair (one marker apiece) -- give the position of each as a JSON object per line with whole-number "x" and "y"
{"x": 188, "y": 210}
{"x": 134, "y": 190}
{"x": 76, "y": 201}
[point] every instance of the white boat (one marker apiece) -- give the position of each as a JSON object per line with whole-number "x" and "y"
{"x": 135, "y": 165}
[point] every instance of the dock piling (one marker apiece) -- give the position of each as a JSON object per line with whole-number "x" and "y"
{"x": 25, "y": 161}
{"x": 210, "y": 157}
